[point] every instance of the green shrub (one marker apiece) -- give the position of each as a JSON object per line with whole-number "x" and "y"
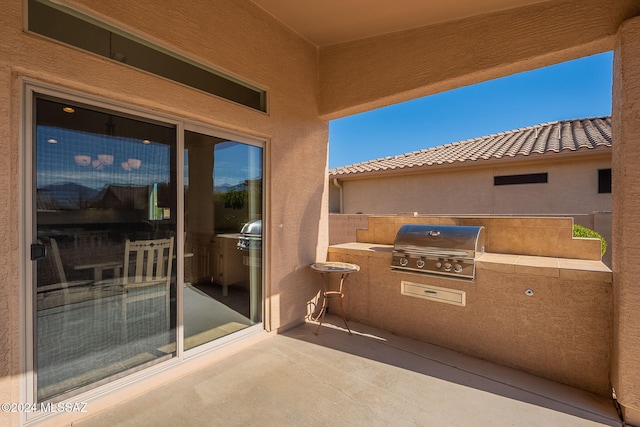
{"x": 580, "y": 231}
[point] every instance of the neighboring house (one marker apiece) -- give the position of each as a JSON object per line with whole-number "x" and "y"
{"x": 558, "y": 168}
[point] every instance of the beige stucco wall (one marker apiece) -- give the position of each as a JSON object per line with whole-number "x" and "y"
{"x": 500, "y": 323}
{"x": 342, "y": 228}
{"x": 396, "y": 67}
{"x": 235, "y": 36}
{"x": 536, "y": 333}
{"x": 9, "y": 267}
{"x": 572, "y": 189}
{"x": 626, "y": 219}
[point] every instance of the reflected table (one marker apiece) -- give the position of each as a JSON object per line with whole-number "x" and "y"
{"x": 325, "y": 268}
{"x": 99, "y": 267}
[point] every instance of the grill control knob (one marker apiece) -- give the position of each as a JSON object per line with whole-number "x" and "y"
{"x": 420, "y": 263}
{"x": 447, "y": 267}
{"x": 438, "y": 265}
{"x": 457, "y": 268}
{"x": 404, "y": 262}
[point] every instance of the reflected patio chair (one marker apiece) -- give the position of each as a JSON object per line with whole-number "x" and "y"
{"x": 62, "y": 293}
{"x": 146, "y": 274}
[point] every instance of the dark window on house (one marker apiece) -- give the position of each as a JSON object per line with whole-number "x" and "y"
{"x": 529, "y": 178}
{"x": 71, "y": 27}
{"x": 604, "y": 180}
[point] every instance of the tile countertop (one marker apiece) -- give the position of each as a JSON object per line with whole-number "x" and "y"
{"x": 563, "y": 268}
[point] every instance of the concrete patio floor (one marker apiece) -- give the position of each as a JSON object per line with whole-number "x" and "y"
{"x": 371, "y": 378}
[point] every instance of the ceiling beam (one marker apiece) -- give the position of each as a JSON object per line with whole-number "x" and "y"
{"x": 375, "y": 72}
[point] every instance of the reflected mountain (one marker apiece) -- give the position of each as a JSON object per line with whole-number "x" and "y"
{"x": 71, "y": 196}
{"x": 228, "y": 188}
{"x": 65, "y": 196}
{"x": 255, "y": 183}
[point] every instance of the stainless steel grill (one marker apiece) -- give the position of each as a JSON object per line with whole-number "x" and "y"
{"x": 448, "y": 250}
{"x": 251, "y": 236}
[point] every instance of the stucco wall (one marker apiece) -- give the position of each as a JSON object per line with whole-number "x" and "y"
{"x": 572, "y": 189}
{"x": 626, "y": 219}
{"x": 538, "y": 333}
{"x": 428, "y": 60}
{"x": 9, "y": 267}
{"x": 342, "y": 228}
{"x": 234, "y": 36}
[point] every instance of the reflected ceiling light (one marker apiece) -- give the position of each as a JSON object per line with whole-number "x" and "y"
{"x": 82, "y": 160}
{"x": 146, "y": 141}
{"x": 52, "y": 141}
{"x": 105, "y": 159}
{"x": 69, "y": 110}
{"x": 134, "y": 163}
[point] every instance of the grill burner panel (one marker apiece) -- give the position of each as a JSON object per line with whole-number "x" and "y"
{"x": 448, "y": 250}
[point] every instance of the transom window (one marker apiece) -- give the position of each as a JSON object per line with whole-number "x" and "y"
{"x": 69, "y": 26}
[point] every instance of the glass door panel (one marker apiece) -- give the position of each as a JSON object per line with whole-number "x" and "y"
{"x": 223, "y": 229}
{"x": 105, "y": 213}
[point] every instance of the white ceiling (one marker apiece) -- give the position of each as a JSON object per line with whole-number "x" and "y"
{"x": 327, "y": 22}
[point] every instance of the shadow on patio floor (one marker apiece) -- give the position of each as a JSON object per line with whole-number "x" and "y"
{"x": 458, "y": 369}
{"x": 370, "y": 378}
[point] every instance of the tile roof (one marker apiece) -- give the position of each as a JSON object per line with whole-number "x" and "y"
{"x": 547, "y": 138}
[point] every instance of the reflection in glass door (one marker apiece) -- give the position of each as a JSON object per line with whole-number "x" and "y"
{"x": 105, "y": 220}
{"x": 223, "y": 230}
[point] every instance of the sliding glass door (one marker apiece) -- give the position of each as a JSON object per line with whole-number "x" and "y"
{"x": 105, "y": 227}
{"x": 141, "y": 233}
{"x": 223, "y": 229}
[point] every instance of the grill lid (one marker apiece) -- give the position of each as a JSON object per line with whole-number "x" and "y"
{"x": 252, "y": 228}
{"x": 250, "y": 236}
{"x": 440, "y": 240}
{"x": 438, "y": 249}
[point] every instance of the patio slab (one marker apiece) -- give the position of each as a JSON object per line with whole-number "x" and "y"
{"x": 369, "y": 378}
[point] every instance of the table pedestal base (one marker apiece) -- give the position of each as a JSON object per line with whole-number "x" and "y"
{"x": 332, "y": 294}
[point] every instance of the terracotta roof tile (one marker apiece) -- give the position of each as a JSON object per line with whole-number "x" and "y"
{"x": 544, "y": 139}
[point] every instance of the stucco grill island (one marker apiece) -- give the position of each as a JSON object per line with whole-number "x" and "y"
{"x": 448, "y": 250}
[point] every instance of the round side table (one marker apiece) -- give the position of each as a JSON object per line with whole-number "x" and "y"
{"x": 325, "y": 268}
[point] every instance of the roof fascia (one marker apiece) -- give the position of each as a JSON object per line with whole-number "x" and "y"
{"x": 534, "y": 158}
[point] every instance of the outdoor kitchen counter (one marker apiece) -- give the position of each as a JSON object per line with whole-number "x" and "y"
{"x": 518, "y": 311}
{"x": 564, "y": 268}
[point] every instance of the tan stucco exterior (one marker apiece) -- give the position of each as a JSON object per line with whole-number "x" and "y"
{"x": 572, "y": 189}
{"x": 404, "y": 65}
{"x": 308, "y": 85}
{"x": 535, "y": 333}
{"x": 626, "y": 181}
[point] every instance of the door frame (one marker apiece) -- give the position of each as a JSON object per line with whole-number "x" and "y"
{"x": 27, "y": 198}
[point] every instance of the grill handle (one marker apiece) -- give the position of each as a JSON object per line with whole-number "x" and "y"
{"x": 429, "y": 251}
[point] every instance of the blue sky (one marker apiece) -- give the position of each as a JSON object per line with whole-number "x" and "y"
{"x": 59, "y": 162}
{"x": 236, "y": 163}
{"x": 569, "y": 90}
